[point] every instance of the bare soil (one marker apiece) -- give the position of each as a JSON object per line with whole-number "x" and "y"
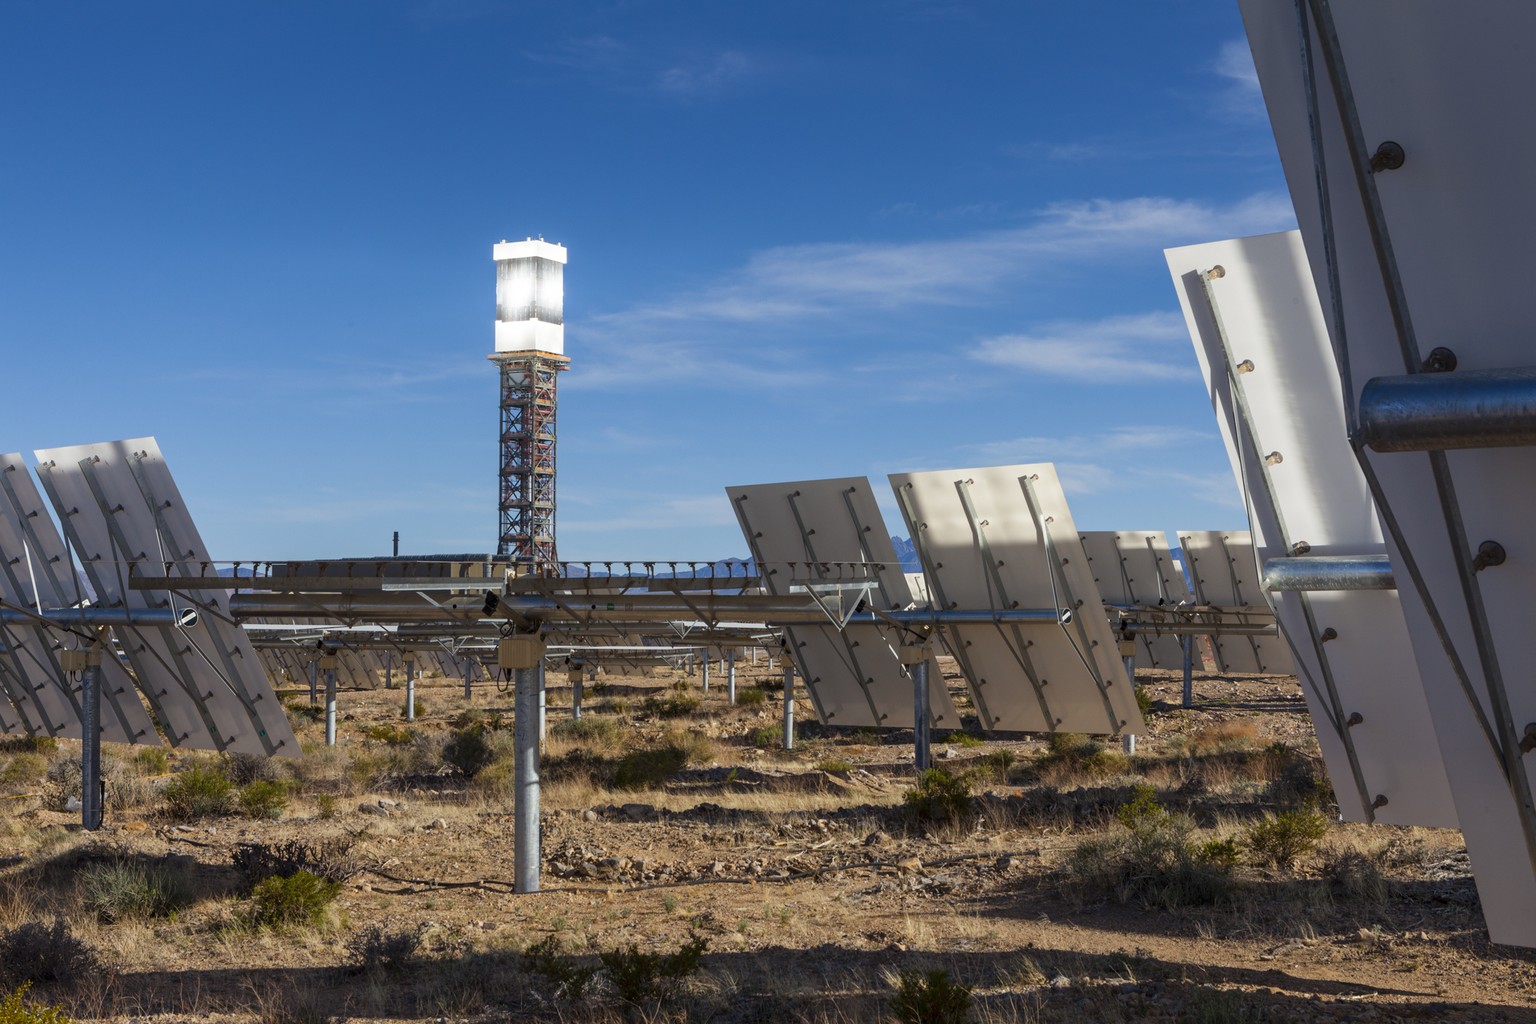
{"x": 804, "y": 872}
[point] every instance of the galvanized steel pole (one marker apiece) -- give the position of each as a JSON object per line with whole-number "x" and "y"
{"x": 789, "y": 703}
{"x": 705, "y": 662}
{"x": 90, "y": 740}
{"x": 1189, "y": 670}
{"x": 525, "y": 778}
{"x": 410, "y": 686}
{"x": 330, "y": 701}
{"x": 921, "y": 750}
{"x": 730, "y": 674}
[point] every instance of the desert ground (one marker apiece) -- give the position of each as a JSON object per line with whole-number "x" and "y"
{"x": 694, "y": 871}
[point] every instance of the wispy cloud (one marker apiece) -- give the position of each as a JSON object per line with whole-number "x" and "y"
{"x": 1134, "y": 439}
{"x": 1140, "y": 347}
{"x": 707, "y": 74}
{"x": 1130, "y": 460}
{"x": 716, "y": 329}
{"x": 829, "y": 277}
{"x": 1234, "y": 64}
{"x": 679, "y": 74}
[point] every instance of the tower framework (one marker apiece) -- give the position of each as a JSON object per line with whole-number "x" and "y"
{"x": 526, "y": 534}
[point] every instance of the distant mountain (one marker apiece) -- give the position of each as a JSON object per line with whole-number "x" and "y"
{"x": 906, "y": 553}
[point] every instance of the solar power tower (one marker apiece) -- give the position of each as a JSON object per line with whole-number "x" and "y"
{"x": 530, "y": 352}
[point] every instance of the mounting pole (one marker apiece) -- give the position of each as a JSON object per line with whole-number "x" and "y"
{"x": 469, "y": 668}
{"x": 314, "y": 693}
{"x": 730, "y": 674}
{"x": 328, "y": 665}
{"x": 87, "y": 662}
{"x": 1189, "y": 670}
{"x": 524, "y": 657}
{"x": 409, "y": 658}
{"x": 704, "y": 661}
{"x": 389, "y": 665}
{"x": 789, "y": 702}
{"x": 915, "y": 657}
{"x": 578, "y": 676}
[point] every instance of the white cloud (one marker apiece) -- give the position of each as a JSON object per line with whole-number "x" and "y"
{"x": 715, "y": 331}
{"x": 706, "y": 74}
{"x": 1133, "y": 440}
{"x": 1234, "y": 63}
{"x": 1138, "y": 347}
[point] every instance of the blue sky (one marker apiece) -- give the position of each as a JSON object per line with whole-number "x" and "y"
{"x": 806, "y": 240}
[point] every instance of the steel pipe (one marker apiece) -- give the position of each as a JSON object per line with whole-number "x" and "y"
{"x": 1439, "y": 411}
{"x": 921, "y": 748}
{"x": 91, "y": 618}
{"x": 1200, "y": 628}
{"x": 525, "y": 781}
{"x": 789, "y": 704}
{"x": 1329, "y": 572}
{"x": 90, "y": 742}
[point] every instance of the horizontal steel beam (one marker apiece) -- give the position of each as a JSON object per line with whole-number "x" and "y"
{"x": 1329, "y": 572}
{"x": 1199, "y": 629}
{"x": 1439, "y": 411}
{"x": 94, "y": 618}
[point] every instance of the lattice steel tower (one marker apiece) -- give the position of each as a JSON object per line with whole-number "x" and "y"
{"x": 530, "y": 351}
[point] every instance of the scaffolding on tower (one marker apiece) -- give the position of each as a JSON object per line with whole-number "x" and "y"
{"x": 528, "y": 436}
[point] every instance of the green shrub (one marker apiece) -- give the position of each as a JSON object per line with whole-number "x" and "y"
{"x": 23, "y": 770}
{"x": 15, "y": 1009}
{"x": 1280, "y": 839}
{"x": 263, "y": 799}
{"x": 930, "y": 998}
{"x": 1154, "y": 859}
{"x": 647, "y": 769}
{"x": 376, "y": 950}
{"x": 834, "y": 764}
{"x": 293, "y": 900}
{"x": 302, "y": 711}
{"x": 939, "y": 796}
{"x": 469, "y": 750}
{"x": 135, "y": 890}
{"x": 1356, "y": 875}
{"x": 547, "y": 959}
{"x": 392, "y": 735}
{"x": 766, "y": 736}
{"x": 674, "y": 705}
{"x": 964, "y": 740}
{"x": 330, "y": 860}
{"x": 1143, "y": 700}
{"x": 1071, "y": 754}
{"x": 651, "y": 766}
{"x": 1000, "y": 764}
{"x": 751, "y": 698}
{"x": 199, "y": 792}
{"x": 594, "y": 730}
{"x": 1221, "y": 853}
{"x": 28, "y": 745}
{"x": 244, "y": 769}
{"x": 641, "y": 979}
{"x": 152, "y": 760}
{"x": 405, "y": 709}
{"x": 33, "y": 951}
